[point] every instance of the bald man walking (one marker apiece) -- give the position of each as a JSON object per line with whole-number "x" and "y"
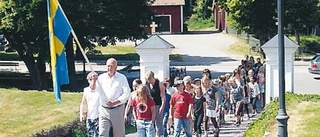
{"x": 116, "y": 92}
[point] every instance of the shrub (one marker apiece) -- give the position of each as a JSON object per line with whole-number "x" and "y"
{"x": 94, "y": 52}
{"x": 311, "y": 44}
{"x": 195, "y": 23}
{"x": 72, "y": 129}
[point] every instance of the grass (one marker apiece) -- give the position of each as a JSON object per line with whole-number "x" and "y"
{"x": 117, "y": 49}
{"x": 24, "y": 113}
{"x": 311, "y": 122}
{"x": 239, "y": 48}
{"x": 304, "y": 120}
{"x": 200, "y": 24}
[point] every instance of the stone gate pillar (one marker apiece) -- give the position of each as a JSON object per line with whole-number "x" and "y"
{"x": 272, "y": 67}
{"x": 154, "y": 56}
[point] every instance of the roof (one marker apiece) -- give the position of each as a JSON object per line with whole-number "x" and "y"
{"x": 167, "y": 2}
{"x": 154, "y": 42}
{"x": 273, "y": 43}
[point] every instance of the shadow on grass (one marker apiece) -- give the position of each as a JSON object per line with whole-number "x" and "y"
{"x": 129, "y": 56}
{"x": 9, "y": 56}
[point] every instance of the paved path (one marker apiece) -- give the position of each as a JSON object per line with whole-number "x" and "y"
{"x": 227, "y": 130}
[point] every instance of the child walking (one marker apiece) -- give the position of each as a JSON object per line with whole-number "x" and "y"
{"x": 181, "y": 105}
{"x": 210, "y": 93}
{"x": 89, "y": 107}
{"x": 144, "y": 112}
{"x": 199, "y": 109}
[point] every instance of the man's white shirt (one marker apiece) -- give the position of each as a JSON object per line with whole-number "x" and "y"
{"x": 113, "y": 88}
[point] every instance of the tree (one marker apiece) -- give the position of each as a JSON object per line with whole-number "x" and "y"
{"x": 25, "y": 27}
{"x": 259, "y": 17}
{"x": 301, "y": 15}
{"x": 253, "y": 16}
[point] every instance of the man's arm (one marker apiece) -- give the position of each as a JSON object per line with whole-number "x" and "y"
{"x": 170, "y": 119}
{"x": 171, "y": 110}
{"x": 163, "y": 96}
{"x": 190, "y": 109}
{"x": 217, "y": 101}
{"x": 153, "y": 111}
{"x": 127, "y": 108}
{"x": 134, "y": 113}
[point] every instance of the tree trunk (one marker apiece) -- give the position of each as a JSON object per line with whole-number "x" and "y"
{"x": 41, "y": 67}
{"x": 263, "y": 39}
{"x": 297, "y": 35}
{"x": 29, "y": 60}
{"x": 71, "y": 66}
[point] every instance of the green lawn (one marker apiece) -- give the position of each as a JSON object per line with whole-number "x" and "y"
{"x": 117, "y": 49}
{"x": 23, "y": 113}
{"x": 239, "y": 48}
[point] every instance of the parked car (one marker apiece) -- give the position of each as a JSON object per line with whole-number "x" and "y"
{"x": 314, "y": 67}
{"x": 132, "y": 71}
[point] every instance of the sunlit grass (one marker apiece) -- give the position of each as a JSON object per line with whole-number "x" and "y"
{"x": 239, "y": 48}
{"x": 310, "y": 120}
{"x": 117, "y": 49}
{"x": 303, "y": 112}
{"x": 23, "y": 113}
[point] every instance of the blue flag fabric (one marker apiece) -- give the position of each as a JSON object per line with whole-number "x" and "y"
{"x": 59, "y": 31}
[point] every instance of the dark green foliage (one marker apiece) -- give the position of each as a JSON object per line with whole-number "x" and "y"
{"x": 310, "y": 44}
{"x": 259, "y": 17}
{"x": 202, "y": 15}
{"x": 300, "y": 15}
{"x": 72, "y": 129}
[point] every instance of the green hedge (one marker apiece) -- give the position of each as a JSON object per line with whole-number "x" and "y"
{"x": 310, "y": 44}
{"x": 268, "y": 116}
{"x": 195, "y": 23}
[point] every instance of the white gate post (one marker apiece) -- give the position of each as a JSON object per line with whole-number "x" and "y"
{"x": 272, "y": 67}
{"x": 154, "y": 56}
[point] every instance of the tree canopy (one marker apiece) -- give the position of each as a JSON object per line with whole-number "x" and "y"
{"x": 259, "y": 17}
{"x": 25, "y": 25}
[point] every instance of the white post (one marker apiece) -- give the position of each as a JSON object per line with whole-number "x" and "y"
{"x": 272, "y": 68}
{"x": 154, "y": 56}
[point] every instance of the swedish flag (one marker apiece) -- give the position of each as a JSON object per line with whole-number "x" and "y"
{"x": 59, "y": 31}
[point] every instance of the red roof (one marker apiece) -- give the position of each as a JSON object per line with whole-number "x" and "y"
{"x": 167, "y": 2}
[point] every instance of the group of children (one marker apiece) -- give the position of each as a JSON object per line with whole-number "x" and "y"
{"x": 213, "y": 98}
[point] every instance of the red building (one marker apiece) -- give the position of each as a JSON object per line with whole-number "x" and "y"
{"x": 220, "y": 18}
{"x": 169, "y": 16}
